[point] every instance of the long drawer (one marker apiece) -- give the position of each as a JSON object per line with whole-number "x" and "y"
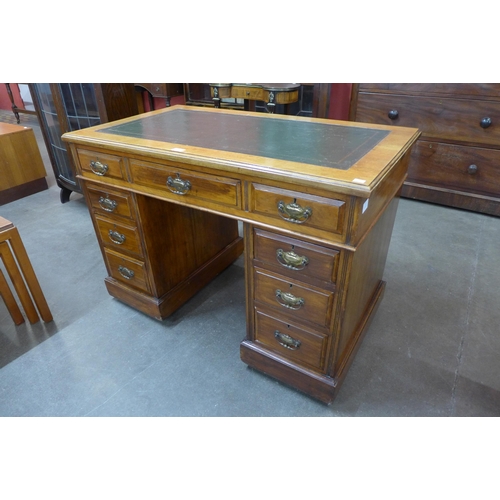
{"x": 454, "y": 120}
{"x": 456, "y": 167}
{"x": 178, "y": 182}
{"x": 295, "y": 258}
{"x": 299, "y": 301}
{"x": 303, "y": 346}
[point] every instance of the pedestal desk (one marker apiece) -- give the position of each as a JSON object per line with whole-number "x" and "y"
{"x": 317, "y": 199}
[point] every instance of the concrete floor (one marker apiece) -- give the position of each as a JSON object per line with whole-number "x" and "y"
{"x": 432, "y": 349}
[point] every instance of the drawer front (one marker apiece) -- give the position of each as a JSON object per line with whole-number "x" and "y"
{"x": 252, "y": 93}
{"x": 110, "y": 202}
{"x": 292, "y": 208}
{"x": 98, "y": 165}
{"x": 179, "y": 183}
{"x": 297, "y": 344}
{"x": 438, "y": 118}
{"x": 295, "y": 258}
{"x": 129, "y": 271}
{"x": 119, "y": 236}
{"x": 297, "y": 300}
{"x": 456, "y": 167}
{"x": 480, "y": 90}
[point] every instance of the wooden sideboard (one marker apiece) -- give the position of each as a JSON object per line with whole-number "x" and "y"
{"x": 22, "y": 171}
{"x": 317, "y": 199}
{"x": 456, "y": 160}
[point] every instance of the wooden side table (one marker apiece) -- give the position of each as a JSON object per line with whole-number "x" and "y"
{"x": 270, "y": 93}
{"x": 21, "y": 165}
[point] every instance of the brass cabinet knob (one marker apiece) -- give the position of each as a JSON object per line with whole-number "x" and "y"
{"x": 178, "y": 186}
{"x": 289, "y": 300}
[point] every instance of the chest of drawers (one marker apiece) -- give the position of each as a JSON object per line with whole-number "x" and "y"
{"x": 317, "y": 199}
{"x": 456, "y": 161}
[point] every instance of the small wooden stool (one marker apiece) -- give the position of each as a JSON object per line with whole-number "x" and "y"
{"x": 21, "y": 274}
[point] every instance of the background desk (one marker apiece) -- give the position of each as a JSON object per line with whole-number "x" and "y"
{"x": 318, "y": 200}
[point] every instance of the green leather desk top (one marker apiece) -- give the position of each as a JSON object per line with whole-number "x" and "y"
{"x": 314, "y": 143}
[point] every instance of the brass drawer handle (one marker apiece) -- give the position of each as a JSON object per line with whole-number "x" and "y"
{"x": 116, "y": 237}
{"x": 127, "y": 273}
{"x": 98, "y": 168}
{"x": 107, "y": 204}
{"x": 287, "y": 341}
{"x": 178, "y": 186}
{"x": 289, "y": 300}
{"x": 291, "y": 260}
{"x": 293, "y": 212}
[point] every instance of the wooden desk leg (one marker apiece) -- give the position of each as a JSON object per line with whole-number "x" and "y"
{"x": 18, "y": 282}
{"x": 29, "y": 275}
{"x": 10, "y": 301}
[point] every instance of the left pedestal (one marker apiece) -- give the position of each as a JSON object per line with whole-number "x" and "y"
{"x": 21, "y": 164}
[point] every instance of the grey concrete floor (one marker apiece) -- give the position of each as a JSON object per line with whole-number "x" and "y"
{"x": 431, "y": 351}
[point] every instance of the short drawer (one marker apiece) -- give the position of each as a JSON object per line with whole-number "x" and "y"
{"x": 474, "y": 170}
{"x": 455, "y": 120}
{"x": 302, "y": 346}
{"x": 299, "y": 301}
{"x": 295, "y": 258}
{"x": 110, "y": 202}
{"x": 189, "y": 184}
{"x": 293, "y": 208}
{"x": 101, "y": 165}
{"x": 127, "y": 270}
{"x": 119, "y": 236}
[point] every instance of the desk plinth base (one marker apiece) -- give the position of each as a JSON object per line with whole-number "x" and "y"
{"x": 162, "y": 307}
{"x": 316, "y": 385}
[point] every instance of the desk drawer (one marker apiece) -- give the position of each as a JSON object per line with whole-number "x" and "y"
{"x": 297, "y": 300}
{"x": 110, "y": 202}
{"x": 293, "y": 208}
{"x": 127, "y": 270}
{"x": 99, "y": 165}
{"x": 294, "y": 258}
{"x": 438, "y": 118}
{"x": 119, "y": 236}
{"x": 461, "y": 168}
{"x": 179, "y": 183}
{"x": 297, "y": 344}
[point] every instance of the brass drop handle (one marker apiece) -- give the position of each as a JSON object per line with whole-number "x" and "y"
{"x": 116, "y": 237}
{"x": 98, "y": 168}
{"x": 289, "y": 300}
{"x": 472, "y": 169}
{"x": 107, "y": 204}
{"x": 485, "y": 122}
{"x": 178, "y": 186}
{"x": 126, "y": 272}
{"x": 293, "y": 212}
{"x": 291, "y": 260}
{"x": 287, "y": 341}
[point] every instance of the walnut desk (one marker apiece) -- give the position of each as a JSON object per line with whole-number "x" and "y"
{"x": 317, "y": 199}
